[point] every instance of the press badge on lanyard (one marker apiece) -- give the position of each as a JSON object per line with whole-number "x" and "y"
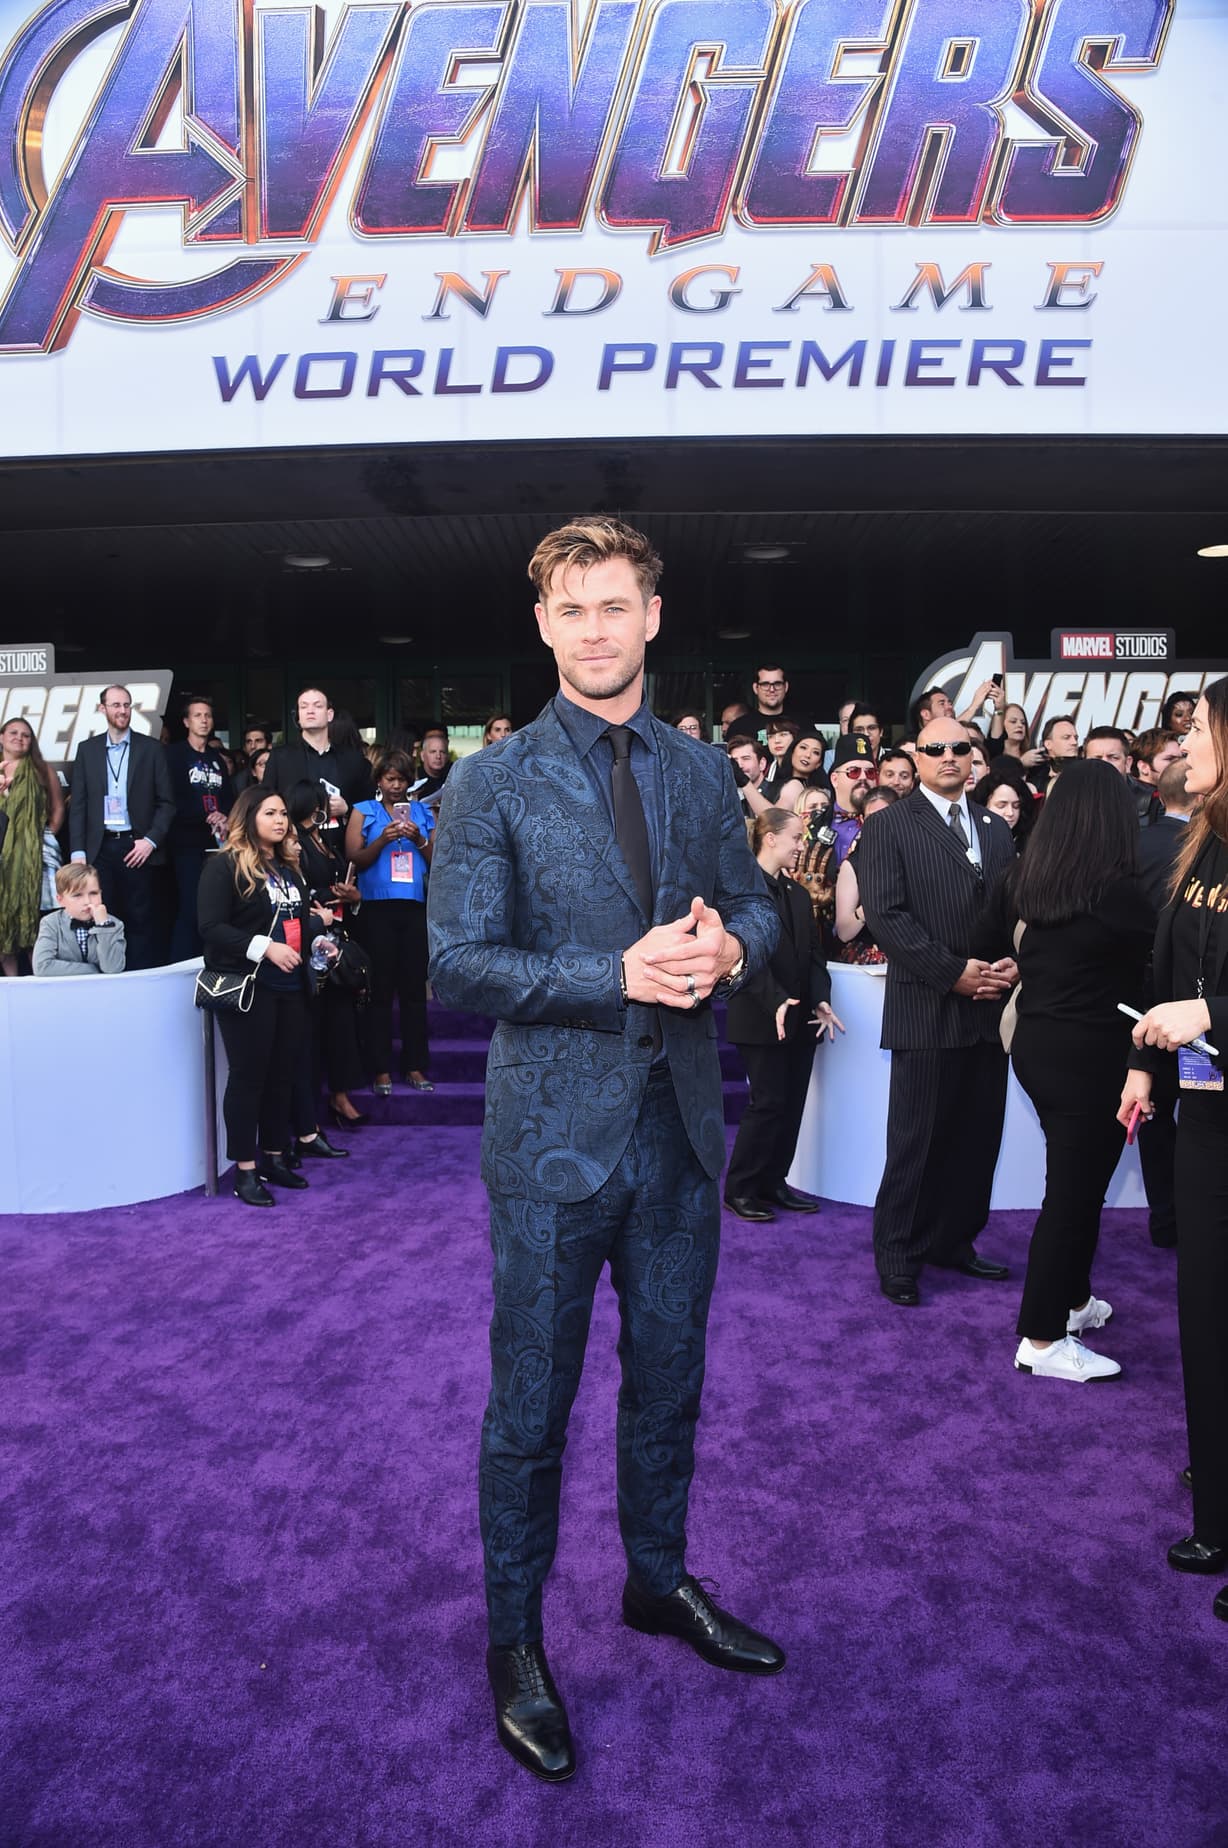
{"x": 402, "y": 869}
{"x": 1195, "y": 1071}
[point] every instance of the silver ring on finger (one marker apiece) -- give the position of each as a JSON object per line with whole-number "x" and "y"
{"x": 697, "y": 1001}
{"x": 690, "y": 986}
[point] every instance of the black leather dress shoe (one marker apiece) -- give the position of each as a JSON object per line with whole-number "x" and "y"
{"x": 530, "y": 1718}
{"x": 277, "y": 1174}
{"x": 982, "y": 1268}
{"x": 793, "y": 1202}
{"x": 251, "y": 1189}
{"x": 746, "y": 1208}
{"x": 691, "y": 1614}
{"x": 1197, "y": 1556}
{"x": 1220, "y": 1607}
{"x": 901, "y": 1290}
{"x": 320, "y": 1148}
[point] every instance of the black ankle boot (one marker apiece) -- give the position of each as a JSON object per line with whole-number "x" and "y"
{"x": 277, "y": 1174}
{"x": 251, "y": 1189}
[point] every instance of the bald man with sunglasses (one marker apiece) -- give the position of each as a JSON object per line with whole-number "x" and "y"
{"x": 926, "y": 867}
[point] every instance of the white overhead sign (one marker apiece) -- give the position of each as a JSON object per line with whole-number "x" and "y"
{"x": 235, "y": 224}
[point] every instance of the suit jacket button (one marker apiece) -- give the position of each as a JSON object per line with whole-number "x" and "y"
{"x": 644, "y": 1042}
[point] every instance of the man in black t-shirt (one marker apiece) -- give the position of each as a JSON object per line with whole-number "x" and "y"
{"x": 435, "y": 764}
{"x": 343, "y": 775}
{"x": 203, "y": 794}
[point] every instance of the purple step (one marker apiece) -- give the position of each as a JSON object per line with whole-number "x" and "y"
{"x": 453, "y": 1105}
{"x": 463, "y": 1061}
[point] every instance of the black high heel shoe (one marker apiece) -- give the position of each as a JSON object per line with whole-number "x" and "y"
{"x": 346, "y": 1122}
{"x": 318, "y": 1145}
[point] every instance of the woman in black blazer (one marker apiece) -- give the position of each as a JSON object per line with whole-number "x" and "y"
{"x": 1190, "y": 970}
{"x": 1088, "y": 926}
{"x": 773, "y": 1021}
{"x": 254, "y": 913}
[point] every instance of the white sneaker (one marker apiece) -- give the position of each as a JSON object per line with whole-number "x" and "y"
{"x": 1065, "y": 1360}
{"x": 1094, "y": 1314}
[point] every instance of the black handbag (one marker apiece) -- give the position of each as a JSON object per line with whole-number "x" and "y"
{"x": 221, "y": 991}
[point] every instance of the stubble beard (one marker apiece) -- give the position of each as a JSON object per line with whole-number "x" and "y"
{"x": 619, "y": 676}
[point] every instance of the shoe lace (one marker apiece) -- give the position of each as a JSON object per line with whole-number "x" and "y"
{"x": 531, "y": 1673}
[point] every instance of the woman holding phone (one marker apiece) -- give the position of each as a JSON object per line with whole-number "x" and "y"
{"x": 389, "y": 842}
{"x": 1190, "y": 968}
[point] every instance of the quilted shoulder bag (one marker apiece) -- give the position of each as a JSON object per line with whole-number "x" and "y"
{"x": 223, "y": 991}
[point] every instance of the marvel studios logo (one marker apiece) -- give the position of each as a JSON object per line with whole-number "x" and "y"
{"x": 1114, "y": 645}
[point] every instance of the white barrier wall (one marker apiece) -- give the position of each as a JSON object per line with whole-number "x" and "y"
{"x": 102, "y": 1090}
{"x": 843, "y": 1139}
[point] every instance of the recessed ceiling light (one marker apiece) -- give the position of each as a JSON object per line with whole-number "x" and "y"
{"x": 396, "y": 641}
{"x": 734, "y": 635}
{"x": 1213, "y": 551}
{"x": 765, "y": 554}
{"x": 307, "y": 561}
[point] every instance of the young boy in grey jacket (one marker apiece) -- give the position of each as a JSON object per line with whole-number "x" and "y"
{"x": 81, "y": 938}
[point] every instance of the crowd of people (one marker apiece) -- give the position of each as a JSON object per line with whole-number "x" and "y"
{"x": 1029, "y": 869}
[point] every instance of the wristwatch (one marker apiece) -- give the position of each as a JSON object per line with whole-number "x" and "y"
{"x": 727, "y": 982}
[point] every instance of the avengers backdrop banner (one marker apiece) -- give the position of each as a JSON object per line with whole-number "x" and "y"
{"x": 231, "y": 224}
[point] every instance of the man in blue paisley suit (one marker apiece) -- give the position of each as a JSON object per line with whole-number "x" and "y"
{"x": 592, "y": 888}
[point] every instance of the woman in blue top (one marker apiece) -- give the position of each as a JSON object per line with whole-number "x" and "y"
{"x": 389, "y": 842}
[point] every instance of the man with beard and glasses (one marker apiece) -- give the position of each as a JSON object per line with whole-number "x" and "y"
{"x": 592, "y": 888}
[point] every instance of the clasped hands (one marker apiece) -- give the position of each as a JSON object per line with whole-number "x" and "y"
{"x": 679, "y": 964}
{"x": 983, "y": 981}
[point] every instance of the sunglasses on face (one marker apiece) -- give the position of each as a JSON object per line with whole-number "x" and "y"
{"x": 940, "y": 750}
{"x": 856, "y": 772}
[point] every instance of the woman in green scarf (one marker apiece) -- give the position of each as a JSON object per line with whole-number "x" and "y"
{"x": 31, "y": 798}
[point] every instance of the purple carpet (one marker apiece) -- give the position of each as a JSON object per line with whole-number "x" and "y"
{"x": 242, "y": 1583}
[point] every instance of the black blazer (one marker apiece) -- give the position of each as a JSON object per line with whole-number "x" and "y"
{"x": 151, "y": 800}
{"x": 797, "y": 971}
{"x": 923, "y": 901}
{"x": 228, "y": 921}
{"x": 1158, "y": 847}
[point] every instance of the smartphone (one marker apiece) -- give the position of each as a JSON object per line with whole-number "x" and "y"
{"x": 402, "y": 811}
{"x": 1132, "y": 1128}
{"x": 349, "y": 874}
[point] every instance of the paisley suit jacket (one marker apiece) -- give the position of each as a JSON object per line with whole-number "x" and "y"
{"x": 530, "y": 907}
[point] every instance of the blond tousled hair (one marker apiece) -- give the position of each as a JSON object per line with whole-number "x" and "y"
{"x": 594, "y": 540}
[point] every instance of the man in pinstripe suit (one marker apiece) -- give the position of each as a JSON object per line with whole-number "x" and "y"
{"x": 925, "y": 867}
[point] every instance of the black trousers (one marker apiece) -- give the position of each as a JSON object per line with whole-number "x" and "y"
{"x": 1202, "y": 1302}
{"x": 1157, "y": 1154}
{"x": 185, "y": 937}
{"x": 130, "y": 892}
{"x": 1073, "y": 1076}
{"x": 393, "y": 933}
{"x": 944, "y": 1129}
{"x": 331, "y": 1050}
{"x": 767, "y": 1135}
{"x": 264, "y": 1048}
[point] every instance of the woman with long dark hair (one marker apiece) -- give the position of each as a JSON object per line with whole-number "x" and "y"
{"x": 333, "y": 1012}
{"x": 254, "y": 915}
{"x": 802, "y": 769}
{"x": 1003, "y": 791}
{"x": 1190, "y": 971}
{"x": 32, "y": 799}
{"x": 1086, "y": 931}
{"x": 1177, "y": 713}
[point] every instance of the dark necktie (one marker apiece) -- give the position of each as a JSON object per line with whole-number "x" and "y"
{"x": 955, "y": 822}
{"x": 630, "y": 827}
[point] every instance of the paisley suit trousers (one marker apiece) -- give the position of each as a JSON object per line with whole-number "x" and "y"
{"x": 656, "y": 1221}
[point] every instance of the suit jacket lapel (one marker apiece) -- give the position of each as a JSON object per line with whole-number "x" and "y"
{"x": 589, "y": 815}
{"x": 675, "y": 822}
